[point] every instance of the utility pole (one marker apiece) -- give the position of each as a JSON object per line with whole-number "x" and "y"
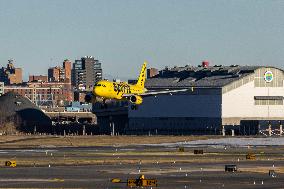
{"x": 84, "y": 130}
{"x": 113, "y": 129}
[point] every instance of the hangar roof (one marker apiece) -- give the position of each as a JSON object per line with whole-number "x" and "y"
{"x": 188, "y": 76}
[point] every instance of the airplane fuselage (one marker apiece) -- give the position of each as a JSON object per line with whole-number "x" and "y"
{"x": 116, "y": 90}
{"x": 123, "y": 91}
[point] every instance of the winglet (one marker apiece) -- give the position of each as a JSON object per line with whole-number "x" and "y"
{"x": 142, "y": 76}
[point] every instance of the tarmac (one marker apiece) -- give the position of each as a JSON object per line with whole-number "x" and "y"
{"x": 94, "y": 167}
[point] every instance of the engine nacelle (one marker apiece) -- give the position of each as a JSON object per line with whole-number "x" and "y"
{"x": 90, "y": 98}
{"x": 136, "y": 99}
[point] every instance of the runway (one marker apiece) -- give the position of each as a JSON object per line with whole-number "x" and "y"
{"x": 95, "y": 166}
{"x": 99, "y": 177}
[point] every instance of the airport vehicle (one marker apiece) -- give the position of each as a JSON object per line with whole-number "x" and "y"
{"x": 105, "y": 89}
{"x": 250, "y": 156}
{"x": 231, "y": 168}
{"x": 181, "y": 149}
{"x": 198, "y": 151}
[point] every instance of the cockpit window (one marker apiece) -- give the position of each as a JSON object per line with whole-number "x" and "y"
{"x": 99, "y": 85}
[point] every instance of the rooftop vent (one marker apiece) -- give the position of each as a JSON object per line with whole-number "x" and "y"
{"x": 205, "y": 64}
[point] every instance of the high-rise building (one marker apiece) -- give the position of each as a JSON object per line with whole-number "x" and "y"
{"x": 60, "y": 74}
{"x": 67, "y": 66}
{"x": 86, "y": 72}
{"x": 53, "y": 74}
{"x": 11, "y": 75}
{"x": 78, "y": 75}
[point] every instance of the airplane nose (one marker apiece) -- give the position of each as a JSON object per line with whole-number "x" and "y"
{"x": 96, "y": 91}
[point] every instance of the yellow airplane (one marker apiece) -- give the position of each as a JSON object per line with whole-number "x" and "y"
{"x": 123, "y": 91}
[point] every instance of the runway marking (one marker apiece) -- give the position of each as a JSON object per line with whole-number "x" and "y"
{"x": 46, "y": 180}
{"x": 57, "y": 180}
{"x": 24, "y": 180}
{"x": 221, "y": 142}
{"x": 31, "y": 180}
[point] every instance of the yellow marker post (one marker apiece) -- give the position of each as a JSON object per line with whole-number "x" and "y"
{"x": 11, "y": 163}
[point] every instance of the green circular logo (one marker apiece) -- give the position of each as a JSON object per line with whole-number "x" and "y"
{"x": 268, "y": 76}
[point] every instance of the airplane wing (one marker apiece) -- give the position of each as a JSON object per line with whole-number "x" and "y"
{"x": 150, "y": 93}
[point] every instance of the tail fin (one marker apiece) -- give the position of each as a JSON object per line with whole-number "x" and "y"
{"x": 142, "y": 76}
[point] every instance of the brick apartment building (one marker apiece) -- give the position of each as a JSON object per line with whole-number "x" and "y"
{"x": 67, "y": 66}
{"x": 151, "y": 72}
{"x": 53, "y": 74}
{"x": 51, "y": 90}
{"x": 11, "y": 75}
{"x": 38, "y": 78}
{"x": 60, "y": 74}
{"x": 43, "y": 93}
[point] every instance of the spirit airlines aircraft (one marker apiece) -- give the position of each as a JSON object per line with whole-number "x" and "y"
{"x": 123, "y": 91}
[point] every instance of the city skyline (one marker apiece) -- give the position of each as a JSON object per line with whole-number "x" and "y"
{"x": 122, "y": 34}
{"x": 62, "y": 72}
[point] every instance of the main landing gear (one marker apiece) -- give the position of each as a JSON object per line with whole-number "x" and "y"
{"x": 134, "y": 107}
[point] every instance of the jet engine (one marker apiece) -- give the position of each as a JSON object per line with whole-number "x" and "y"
{"x": 136, "y": 99}
{"x": 90, "y": 98}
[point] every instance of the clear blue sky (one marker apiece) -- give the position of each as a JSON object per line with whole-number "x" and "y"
{"x": 123, "y": 33}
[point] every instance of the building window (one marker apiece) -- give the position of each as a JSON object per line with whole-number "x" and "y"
{"x": 268, "y": 102}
